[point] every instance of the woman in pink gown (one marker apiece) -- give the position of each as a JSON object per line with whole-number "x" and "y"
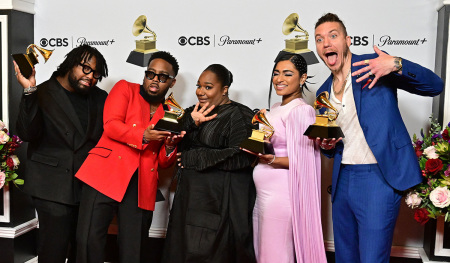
{"x": 287, "y": 216}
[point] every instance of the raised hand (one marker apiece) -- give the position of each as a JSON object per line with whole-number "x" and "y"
{"x": 378, "y": 67}
{"x": 200, "y": 115}
{"x": 24, "y": 82}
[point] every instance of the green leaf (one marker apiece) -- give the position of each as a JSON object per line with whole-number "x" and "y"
{"x": 19, "y": 181}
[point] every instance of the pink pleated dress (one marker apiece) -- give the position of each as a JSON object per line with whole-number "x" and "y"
{"x": 287, "y": 216}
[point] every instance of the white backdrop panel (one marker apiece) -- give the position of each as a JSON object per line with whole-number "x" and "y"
{"x": 251, "y": 65}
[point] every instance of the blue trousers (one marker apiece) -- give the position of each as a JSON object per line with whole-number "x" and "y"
{"x": 365, "y": 210}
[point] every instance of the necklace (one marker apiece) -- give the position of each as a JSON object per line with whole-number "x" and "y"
{"x": 343, "y": 84}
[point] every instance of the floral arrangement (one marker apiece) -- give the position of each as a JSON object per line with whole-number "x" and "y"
{"x": 9, "y": 162}
{"x": 431, "y": 198}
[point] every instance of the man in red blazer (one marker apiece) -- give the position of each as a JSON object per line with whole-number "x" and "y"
{"x": 121, "y": 172}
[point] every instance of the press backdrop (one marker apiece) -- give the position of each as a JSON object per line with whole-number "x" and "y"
{"x": 194, "y": 32}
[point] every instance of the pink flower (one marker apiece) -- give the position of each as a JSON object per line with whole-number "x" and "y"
{"x": 447, "y": 172}
{"x": 2, "y": 179}
{"x": 4, "y": 138}
{"x": 430, "y": 152}
{"x": 413, "y": 200}
{"x": 440, "y": 197}
{"x": 2, "y": 125}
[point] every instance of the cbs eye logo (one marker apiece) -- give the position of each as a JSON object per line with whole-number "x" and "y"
{"x": 194, "y": 41}
{"x": 54, "y": 42}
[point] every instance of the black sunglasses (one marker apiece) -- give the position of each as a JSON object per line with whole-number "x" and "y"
{"x": 87, "y": 70}
{"x": 161, "y": 77}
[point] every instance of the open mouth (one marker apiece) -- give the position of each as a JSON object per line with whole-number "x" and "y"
{"x": 84, "y": 82}
{"x": 153, "y": 88}
{"x": 331, "y": 58}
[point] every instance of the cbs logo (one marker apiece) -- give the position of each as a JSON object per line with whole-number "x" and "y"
{"x": 194, "y": 41}
{"x": 54, "y": 42}
{"x": 360, "y": 40}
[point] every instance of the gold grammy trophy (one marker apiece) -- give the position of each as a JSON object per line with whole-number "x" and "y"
{"x": 27, "y": 61}
{"x": 259, "y": 141}
{"x": 298, "y": 44}
{"x": 325, "y": 125}
{"x": 144, "y": 47}
{"x": 170, "y": 120}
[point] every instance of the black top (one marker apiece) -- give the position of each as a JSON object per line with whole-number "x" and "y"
{"x": 210, "y": 220}
{"x": 216, "y": 143}
{"x": 80, "y": 104}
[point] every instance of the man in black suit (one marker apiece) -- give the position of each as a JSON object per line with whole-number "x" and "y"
{"x": 61, "y": 119}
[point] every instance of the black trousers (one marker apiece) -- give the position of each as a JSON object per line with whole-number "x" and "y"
{"x": 96, "y": 213}
{"x": 57, "y": 228}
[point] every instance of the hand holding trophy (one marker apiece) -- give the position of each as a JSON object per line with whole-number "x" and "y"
{"x": 325, "y": 126}
{"x": 259, "y": 141}
{"x": 170, "y": 120}
{"x": 26, "y": 62}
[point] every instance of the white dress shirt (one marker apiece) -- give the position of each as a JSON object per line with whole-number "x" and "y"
{"x": 356, "y": 149}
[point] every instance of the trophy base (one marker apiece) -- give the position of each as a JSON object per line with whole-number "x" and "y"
{"x": 307, "y": 54}
{"x": 325, "y": 132}
{"x": 163, "y": 125}
{"x": 139, "y": 58}
{"x": 257, "y": 146}
{"x": 26, "y": 69}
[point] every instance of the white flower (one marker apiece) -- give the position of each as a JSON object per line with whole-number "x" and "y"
{"x": 4, "y": 138}
{"x": 2, "y": 125}
{"x": 430, "y": 152}
{"x": 413, "y": 200}
{"x": 15, "y": 160}
{"x": 2, "y": 179}
{"x": 440, "y": 197}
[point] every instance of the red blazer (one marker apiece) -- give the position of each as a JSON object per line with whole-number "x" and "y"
{"x": 111, "y": 164}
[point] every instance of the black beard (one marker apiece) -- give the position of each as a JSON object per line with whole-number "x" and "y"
{"x": 75, "y": 85}
{"x": 152, "y": 98}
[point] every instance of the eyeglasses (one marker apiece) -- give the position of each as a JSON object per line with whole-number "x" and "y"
{"x": 161, "y": 77}
{"x": 87, "y": 70}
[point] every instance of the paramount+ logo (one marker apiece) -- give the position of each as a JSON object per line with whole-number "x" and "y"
{"x": 219, "y": 41}
{"x": 194, "y": 41}
{"x": 54, "y": 42}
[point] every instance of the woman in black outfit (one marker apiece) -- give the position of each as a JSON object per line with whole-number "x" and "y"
{"x": 210, "y": 220}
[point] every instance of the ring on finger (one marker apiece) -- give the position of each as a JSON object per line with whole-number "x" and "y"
{"x": 366, "y": 62}
{"x": 370, "y": 73}
{"x": 15, "y": 73}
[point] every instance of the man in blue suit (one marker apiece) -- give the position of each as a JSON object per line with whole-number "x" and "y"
{"x": 375, "y": 161}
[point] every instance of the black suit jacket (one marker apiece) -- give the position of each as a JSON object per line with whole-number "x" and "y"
{"x": 58, "y": 145}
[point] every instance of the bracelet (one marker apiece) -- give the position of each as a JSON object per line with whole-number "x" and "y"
{"x": 272, "y": 160}
{"x": 29, "y": 90}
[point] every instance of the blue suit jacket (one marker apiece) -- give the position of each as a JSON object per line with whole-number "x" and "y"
{"x": 382, "y": 124}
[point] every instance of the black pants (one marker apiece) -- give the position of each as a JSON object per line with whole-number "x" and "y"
{"x": 57, "y": 228}
{"x": 96, "y": 213}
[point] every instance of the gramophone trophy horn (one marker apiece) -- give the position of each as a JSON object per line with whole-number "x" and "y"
{"x": 144, "y": 47}
{"x": 170, "y": 120}
{"x": 325, "y": 125}
{"x": 291, "y": 24}
{"x": 173, "y": 103}
{"x": 259, "y": 141}
{"x": 140, "y": 26}
{"x": 27, "y": 61}
{"x": 298, "y": 44}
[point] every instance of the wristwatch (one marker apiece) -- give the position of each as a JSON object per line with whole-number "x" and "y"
{"x": 398, "y": 63}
